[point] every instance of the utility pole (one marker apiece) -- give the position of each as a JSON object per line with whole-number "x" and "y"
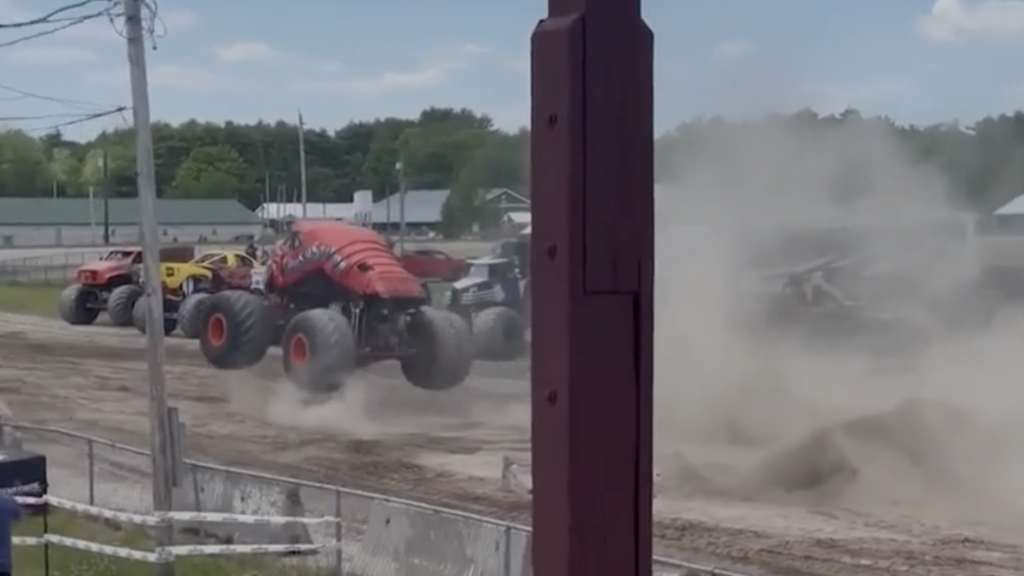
{"x": 92, "y": 214}
{"x": 401, "y": 203}
{"x": 160, "y": 433}
{"x": 387, "y": 213}
{"x": 105, "y": 167}
{"x": 302, "y": 164}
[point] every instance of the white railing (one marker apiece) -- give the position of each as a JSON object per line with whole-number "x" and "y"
{"x": 169, "y": 553}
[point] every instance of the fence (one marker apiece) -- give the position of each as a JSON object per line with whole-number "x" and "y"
{"x": 378, "y": 535}
{"x": 49, "y": 269}
{"x": 58, "y": 268}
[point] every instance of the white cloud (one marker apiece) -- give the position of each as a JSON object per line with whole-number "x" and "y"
{"x": 49, "y": 56}
{"x": 435, "y": 70}
{"x": 732, "y": 49}
{"x": 249, "y": 52}
{"x": 953, "y": 21}
{"x": 260, "y": 53}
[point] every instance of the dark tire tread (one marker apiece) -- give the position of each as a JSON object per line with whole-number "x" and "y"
{"x": 332, "y": 350}
{"x": 121, "y": 304}
{"x": 444, "y": 356}
{"x": 249, "y": 330}
{"x": 72, "y": 306}
{"x": 499, "y": 334}
{"x": 190, "y": 315}
{"x": 139, "y": 317}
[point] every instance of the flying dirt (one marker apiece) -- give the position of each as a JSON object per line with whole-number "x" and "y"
{"x": 747, "y": 412}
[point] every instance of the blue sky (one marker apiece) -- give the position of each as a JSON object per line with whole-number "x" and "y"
{"x": 919, "y": 61}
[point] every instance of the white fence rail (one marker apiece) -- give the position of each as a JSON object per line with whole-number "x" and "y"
{"x": 341, "y": 531}
{"x": 169, "y": 553}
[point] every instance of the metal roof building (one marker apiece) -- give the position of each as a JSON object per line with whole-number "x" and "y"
{"x": 422, "y": 207}
{"x": 325, "y": 210}
{"x": 80, "y": 221}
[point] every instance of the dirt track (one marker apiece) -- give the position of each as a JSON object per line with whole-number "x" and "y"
{"x": 444, "y": 448}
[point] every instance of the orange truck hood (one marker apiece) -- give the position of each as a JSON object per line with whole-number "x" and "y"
{"x": 101, "y": 270}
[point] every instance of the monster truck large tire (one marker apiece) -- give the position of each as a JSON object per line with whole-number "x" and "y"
{"x": 318, "y": 350}
{"x": 499, "y": 334}
{"x": 139, "y": 317}
{"x": 237, "y": 330}
{"x": 190, "y": 315}
{"x": 121, "y": 304}
{"x": 444, "y": 350}
{"x": 74, "y": 308}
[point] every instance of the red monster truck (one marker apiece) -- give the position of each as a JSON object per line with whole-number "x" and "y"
{"x": 111, "y": 284}
{"x": 337, "y": 298}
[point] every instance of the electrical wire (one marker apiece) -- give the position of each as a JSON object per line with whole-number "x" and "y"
{"x": 66, "y": 120}
{"x": 82, "y": 119}
{"x": 55, "y": 15}
{"x": 58, "y": 18}
{"x": 70, "y": 103}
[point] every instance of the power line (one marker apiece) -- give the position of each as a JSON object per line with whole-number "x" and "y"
{"x": 71, "y": 103}
{"x": 38, "y": 117}
{"x": 82, "y": 119}
{"x": 55, "y": 15}
{"x": 58, "y": 17}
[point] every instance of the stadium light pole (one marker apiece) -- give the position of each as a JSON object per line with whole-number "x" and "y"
{"x": 146, "y": 173}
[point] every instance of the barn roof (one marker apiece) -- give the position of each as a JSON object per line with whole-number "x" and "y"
{"x": 123, "y": 211}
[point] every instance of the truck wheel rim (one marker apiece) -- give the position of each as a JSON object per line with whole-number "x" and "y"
{"x": 217, "y": 329}
{"x": 298, "y": 350}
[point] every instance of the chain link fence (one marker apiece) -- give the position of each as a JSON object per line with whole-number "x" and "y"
{"x": 381, "y": 536}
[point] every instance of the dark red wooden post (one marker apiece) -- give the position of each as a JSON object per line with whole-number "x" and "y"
{"x": 592, "y": 183}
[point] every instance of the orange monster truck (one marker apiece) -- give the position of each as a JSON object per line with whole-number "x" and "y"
{"x": 111, "y": 284}
{"x": 337, "y": 298}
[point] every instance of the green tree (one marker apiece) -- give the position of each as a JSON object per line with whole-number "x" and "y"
{"x": 120, "y": 169}
{"x": 216, "y": 171}
{"x": 24, "y": 169}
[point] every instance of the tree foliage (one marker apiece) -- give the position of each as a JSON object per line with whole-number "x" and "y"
{"x": 982, "y": 165}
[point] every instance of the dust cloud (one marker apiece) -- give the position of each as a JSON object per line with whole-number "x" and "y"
{"x": 744, "y": 410}
{"x": 373, "y": 408}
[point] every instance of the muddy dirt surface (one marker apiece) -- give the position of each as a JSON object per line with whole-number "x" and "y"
{"x": 387, "y": 437}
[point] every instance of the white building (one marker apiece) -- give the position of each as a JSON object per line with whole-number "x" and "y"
{"x": 314, "y": 210}
{"x": 31, "y": 222}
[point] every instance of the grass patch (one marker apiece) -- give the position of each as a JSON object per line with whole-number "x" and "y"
{"x": 34, "y": 299}
{"x": 30, "y": 560}
{"x": 41, "y": 299}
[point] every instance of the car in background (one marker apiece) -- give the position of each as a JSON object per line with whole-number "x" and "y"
{"x": 430, "y": 264}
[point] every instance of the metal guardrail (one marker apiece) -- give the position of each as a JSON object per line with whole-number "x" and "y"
{"x": 50, "y": 269}
{"x": 381, "y": 536}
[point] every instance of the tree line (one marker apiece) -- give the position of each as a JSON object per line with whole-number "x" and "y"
{"x": 982, "y": 165}
{"x": 441, "y": 148}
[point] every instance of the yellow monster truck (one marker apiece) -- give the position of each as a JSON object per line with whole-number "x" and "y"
{"x": 185, "y": 285}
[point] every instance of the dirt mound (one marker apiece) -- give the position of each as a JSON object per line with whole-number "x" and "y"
{"x": 892, "y": 454}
